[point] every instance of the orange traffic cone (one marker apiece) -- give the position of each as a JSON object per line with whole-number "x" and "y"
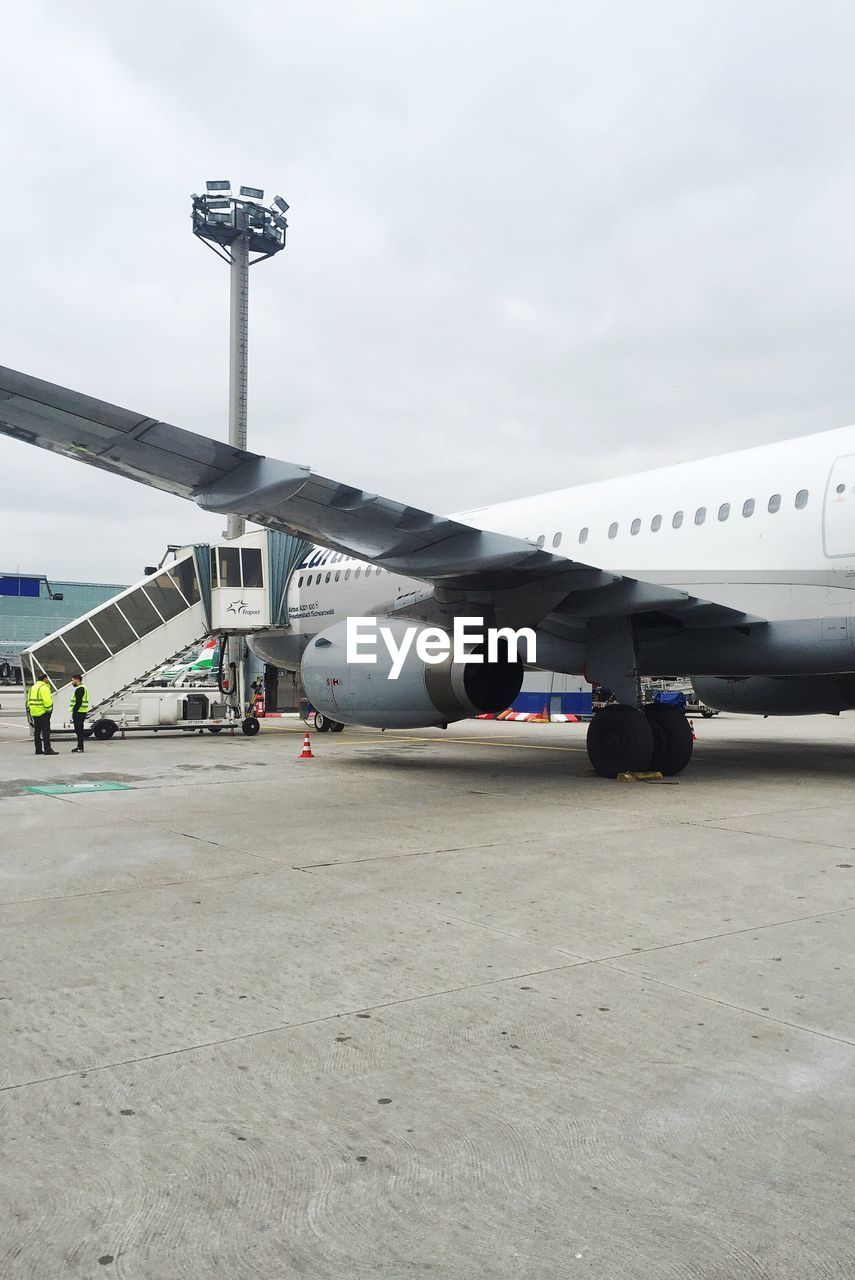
{"x": 306, "y": 753}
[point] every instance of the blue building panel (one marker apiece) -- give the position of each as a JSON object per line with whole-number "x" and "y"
{"x": 15, "y": 585}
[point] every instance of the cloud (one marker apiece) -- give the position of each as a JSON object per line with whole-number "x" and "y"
{"x": 528, "y": 247}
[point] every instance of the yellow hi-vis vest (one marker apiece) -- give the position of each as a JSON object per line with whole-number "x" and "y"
{"x": 39, "y": 699}
{"x": 84, "y": 701}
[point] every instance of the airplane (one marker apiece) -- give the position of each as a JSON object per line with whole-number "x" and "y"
{"x": 737, "y": 571}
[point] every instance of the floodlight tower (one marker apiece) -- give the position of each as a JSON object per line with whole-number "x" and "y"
{"x": 242, "y": 231}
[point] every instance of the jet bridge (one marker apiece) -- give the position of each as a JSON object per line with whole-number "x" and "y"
{"x": 225, "y": 588}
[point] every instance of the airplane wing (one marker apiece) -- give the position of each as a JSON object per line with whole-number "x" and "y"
{"x": 461, "y": 560}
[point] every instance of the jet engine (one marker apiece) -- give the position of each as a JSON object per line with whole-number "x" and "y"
{"x": 423, "y": 694}
{"x": 778, "y": 695}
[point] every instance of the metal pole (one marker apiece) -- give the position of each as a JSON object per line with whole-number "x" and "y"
{"x": 238, "y": 356}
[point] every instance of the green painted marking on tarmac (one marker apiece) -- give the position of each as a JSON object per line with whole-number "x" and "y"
{"x": 74, "y": 788}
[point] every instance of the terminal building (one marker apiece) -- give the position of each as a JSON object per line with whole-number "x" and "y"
{"x": 33, "y": 606}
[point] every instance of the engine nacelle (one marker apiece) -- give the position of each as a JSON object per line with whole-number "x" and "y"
{"x": 423, "y": 694}
{"x": 777, "y": 695}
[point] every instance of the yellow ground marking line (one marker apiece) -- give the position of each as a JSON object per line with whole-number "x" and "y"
{"x": 449, "y": 742}
{"x": 479, "y": 742}
{"x": 396, "y": 736}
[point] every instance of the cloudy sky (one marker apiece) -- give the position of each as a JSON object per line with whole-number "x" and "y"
{"x": 529, "y": 246}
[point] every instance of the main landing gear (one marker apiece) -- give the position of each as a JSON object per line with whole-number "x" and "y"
{"x": 624, "y": 739}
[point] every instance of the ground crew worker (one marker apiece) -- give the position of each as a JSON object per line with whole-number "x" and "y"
{"x": 79, "y": 707}
{"x": 39, "y": 706}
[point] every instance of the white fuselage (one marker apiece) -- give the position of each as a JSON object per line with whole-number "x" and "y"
{"x": 769, "y": 530}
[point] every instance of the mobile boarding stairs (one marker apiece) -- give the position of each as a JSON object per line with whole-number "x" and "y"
{"x": 230, "y": 589}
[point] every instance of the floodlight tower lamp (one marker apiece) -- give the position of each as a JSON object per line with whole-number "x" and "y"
{"x": 234, "y": 227}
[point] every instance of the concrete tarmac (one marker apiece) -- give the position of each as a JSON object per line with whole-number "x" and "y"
{"x": 429, "y": 1005}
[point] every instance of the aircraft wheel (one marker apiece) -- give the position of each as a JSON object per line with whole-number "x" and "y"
{"x": 336, "y": 727}
{"x": 323, "y": 724}
{"x": 620, "y": 740}
{"x": 672, "y": 738}
{"x": 250, "y": 726}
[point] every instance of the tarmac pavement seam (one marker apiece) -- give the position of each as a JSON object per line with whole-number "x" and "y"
{"x": 143, "y": 888}
{"x": 771, "y": 835}
{"x": 728, "y": 1004}
{"x": 448, "y": 916}
{"x": 728, "y": 933}
{"x": 305, "y": 1022}
{"x": 330, "y": 868}
{"x": 416, "y": 853}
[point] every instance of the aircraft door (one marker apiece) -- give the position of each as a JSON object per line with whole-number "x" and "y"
{"x": 838, "y": 520}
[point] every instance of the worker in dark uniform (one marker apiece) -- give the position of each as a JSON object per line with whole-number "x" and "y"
{"x": 79, "y": 707}
{"x": 39, "y": 708}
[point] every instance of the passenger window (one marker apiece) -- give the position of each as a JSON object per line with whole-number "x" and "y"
{"x": 357, "y": 572}
{"x": 327, "y": 578}
{"x": 337, "y": 574}
{"x": 700, "y": 515}
{"x": 346, "y": 575}
{"x": 86, "y": 645}
{"x": 556, "y": 541}
{"x": 678, "y": 520}
{"x": 801, "y": 499}
{"x": 541, "y": 540}
{"x": 229, "y": 566}
{"x": 775, "y": 503}
{"x": 165, "y": 595}
{"x": 251, "y": 565}
{"x": 300, "y": 581}
{"x": 613, "y": 530}
{"x": 635, "y": 526}
{"x": 185, "y": 572}
{"x": 583, "y": 535}
{"x": 655, "y": 524}
{"x": 113, "y": 628}
{"x": 724, "y": 511}
{"x": 748, "y": 507}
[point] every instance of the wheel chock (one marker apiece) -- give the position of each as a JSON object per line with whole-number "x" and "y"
{"x": 640, "y": 777}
